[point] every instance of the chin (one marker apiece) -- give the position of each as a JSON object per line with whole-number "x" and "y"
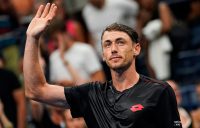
{"x": 120, "y": 67}
{"x": 114, "y": 65}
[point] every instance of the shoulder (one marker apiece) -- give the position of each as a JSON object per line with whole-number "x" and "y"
{"x": 154, "y": 89}
{"x": 10, "y": 78}
{"x": 4, "y": 71}
{"x": 54, "y": 54}
{"x": 91, "y": 87}
{"x": 153, "y": 84}
{"x": 96, "y": 85}
{"x": 7, "y": 73}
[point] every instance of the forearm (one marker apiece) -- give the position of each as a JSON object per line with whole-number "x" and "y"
{"x": 21, "y": 115}
{"x": 36, "y": 87}
{"x": 33, "y": 74}
{"x": 166, "y": 17}
{"x": 36, "y": 110}
{"x": 6, "y": 123}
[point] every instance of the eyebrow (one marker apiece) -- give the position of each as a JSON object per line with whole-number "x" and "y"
{"x": 118, "y": 39}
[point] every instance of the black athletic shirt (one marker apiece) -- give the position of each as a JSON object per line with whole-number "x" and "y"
{"x": 147, "y": 104}
{"x": 9, "y": 83}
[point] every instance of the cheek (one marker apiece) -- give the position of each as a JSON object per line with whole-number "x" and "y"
{"x": 105, "y": 54}
{"x": 128, "y": 53}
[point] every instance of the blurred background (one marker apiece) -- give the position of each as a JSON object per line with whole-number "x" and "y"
{"x": 169, "y": 32}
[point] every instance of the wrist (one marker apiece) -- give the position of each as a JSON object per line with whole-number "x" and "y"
{"x": 32, "y": 43}
{"x": 31, "y": 38}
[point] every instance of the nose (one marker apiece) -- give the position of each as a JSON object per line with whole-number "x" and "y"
{"x": 114, "y": 48}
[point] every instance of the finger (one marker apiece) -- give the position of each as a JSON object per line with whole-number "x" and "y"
{"x": 52, "y": 12}
{"x": 39, "y": 11}
{"x": 46, "y": 10}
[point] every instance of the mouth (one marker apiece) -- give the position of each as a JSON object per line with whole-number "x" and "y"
{"x": 115, "y": 57}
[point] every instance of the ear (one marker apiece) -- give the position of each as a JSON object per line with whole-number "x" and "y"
{"x": 136, "y": 49}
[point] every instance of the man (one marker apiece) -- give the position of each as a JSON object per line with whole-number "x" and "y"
{"x": 130, "y": 100}
{"x": 12, "y": 96}
{"x": 4, "y": 122}
{"x": 74, "y": 53}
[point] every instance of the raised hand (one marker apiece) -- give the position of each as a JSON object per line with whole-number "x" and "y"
{"x": 41, "y": 20}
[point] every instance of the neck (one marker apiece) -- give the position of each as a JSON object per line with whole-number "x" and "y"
{"x": 126, "y": 79}
{"x": 68, "y": 45}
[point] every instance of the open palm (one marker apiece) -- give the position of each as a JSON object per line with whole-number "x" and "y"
{"x": 41, "y": 20}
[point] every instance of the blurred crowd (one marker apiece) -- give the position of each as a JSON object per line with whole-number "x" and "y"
{"x": 70, "y": 53}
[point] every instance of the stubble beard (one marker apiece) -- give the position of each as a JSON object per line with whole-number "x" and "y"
{"x": 121, "y": 68}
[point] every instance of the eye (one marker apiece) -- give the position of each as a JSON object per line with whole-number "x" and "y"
{"x": 107, "y": 44}
{"x": 120, "y": 42}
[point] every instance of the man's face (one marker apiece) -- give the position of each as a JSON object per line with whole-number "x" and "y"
{"x": 118, "y": 49}
{"x": 60, "y": 40}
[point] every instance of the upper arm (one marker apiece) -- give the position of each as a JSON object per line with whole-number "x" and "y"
{"x": 52, "y": 95}
{"x": 19, "y": 96}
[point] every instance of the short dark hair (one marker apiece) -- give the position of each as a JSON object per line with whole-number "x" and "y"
{"x": 122, "y": 28}
{"x": 56, "y": 25}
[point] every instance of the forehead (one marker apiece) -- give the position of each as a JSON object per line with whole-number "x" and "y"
{"x": 112, "y": 35}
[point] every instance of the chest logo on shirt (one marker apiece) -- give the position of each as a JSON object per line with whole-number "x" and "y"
{"x": 137, "y": 107}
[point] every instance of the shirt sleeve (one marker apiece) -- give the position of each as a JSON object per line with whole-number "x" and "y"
{"x": 167, "y": 110}
{"x": 77, "y": 98}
